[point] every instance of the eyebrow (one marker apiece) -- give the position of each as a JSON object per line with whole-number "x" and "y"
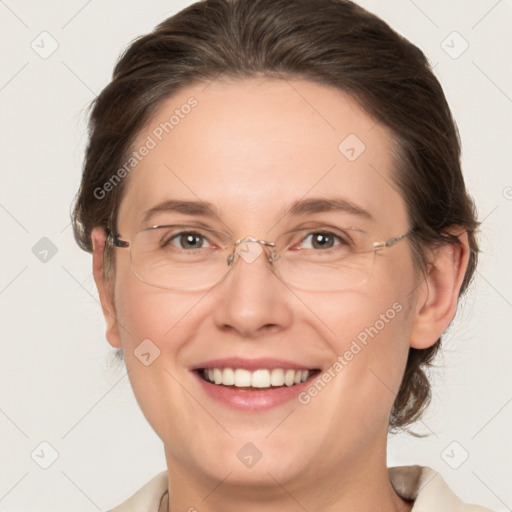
{"x": 308, "y": 206}
{"x": 296, "y": 209}
{"x": 198, "y": 208}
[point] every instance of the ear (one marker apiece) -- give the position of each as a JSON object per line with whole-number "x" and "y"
{"x": 105, "y": 286}
{"x": 437, "y": 300}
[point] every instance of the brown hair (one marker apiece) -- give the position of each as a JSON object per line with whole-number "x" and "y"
{"x": 332, "y": 42}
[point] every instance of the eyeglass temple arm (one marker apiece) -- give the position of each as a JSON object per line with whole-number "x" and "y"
{"x": 116, "y": 241}
{"x": 391, "y": 242}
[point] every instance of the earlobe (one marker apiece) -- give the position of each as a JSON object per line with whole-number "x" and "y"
{"x": 104, "y": 286}
{"x": 440, "y": 291}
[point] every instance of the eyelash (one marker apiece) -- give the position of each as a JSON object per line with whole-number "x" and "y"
{"x": 325, "y": 233}
{"x": 177, "y": 236}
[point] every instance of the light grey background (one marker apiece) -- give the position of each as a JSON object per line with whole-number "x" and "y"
{"x": 58, "y": 381}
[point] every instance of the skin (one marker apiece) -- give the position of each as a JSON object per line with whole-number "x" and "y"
{"x": 251, "y": 148}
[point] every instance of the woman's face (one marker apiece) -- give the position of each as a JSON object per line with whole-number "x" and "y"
{"x": 251, "y": 149}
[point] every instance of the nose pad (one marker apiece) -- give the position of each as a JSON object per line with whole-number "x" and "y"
{"x": 250, "y": 249}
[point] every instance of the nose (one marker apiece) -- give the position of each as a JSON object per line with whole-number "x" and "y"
{"x": 253, "y": 301}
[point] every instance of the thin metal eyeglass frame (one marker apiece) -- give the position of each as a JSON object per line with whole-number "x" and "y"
{"x": 124, "y": 244}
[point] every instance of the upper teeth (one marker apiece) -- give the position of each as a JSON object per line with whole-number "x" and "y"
{"x": 240, "y": 377}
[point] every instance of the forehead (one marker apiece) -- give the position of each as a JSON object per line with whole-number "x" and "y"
{"x": 253, "y": 147}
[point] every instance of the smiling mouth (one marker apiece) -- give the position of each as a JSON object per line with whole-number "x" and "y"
{"x": 241, "y": 378}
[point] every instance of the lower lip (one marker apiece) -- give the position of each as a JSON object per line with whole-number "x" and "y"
{"x": 254, "y": 399}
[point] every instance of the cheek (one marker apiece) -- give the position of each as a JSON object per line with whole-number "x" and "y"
{"x": 371, "y": 335}
{"x": 147, "y": 312}
{"x": 369, "y": 342}
{"x": 155, "y": 325}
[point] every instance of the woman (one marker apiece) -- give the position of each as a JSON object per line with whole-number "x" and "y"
{"x": 280, "y": 232}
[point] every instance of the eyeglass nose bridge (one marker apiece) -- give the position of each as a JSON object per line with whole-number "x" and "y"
{"x": 272, "y": 255}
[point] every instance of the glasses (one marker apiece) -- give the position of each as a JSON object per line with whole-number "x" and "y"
{"x": 184, "y": 257}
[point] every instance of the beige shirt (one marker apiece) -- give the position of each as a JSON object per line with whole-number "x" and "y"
{"x": 421, "y": 484}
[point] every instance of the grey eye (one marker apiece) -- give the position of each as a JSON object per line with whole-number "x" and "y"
{"x": 187, "y": 240}
{"x": 321, "y": 240}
